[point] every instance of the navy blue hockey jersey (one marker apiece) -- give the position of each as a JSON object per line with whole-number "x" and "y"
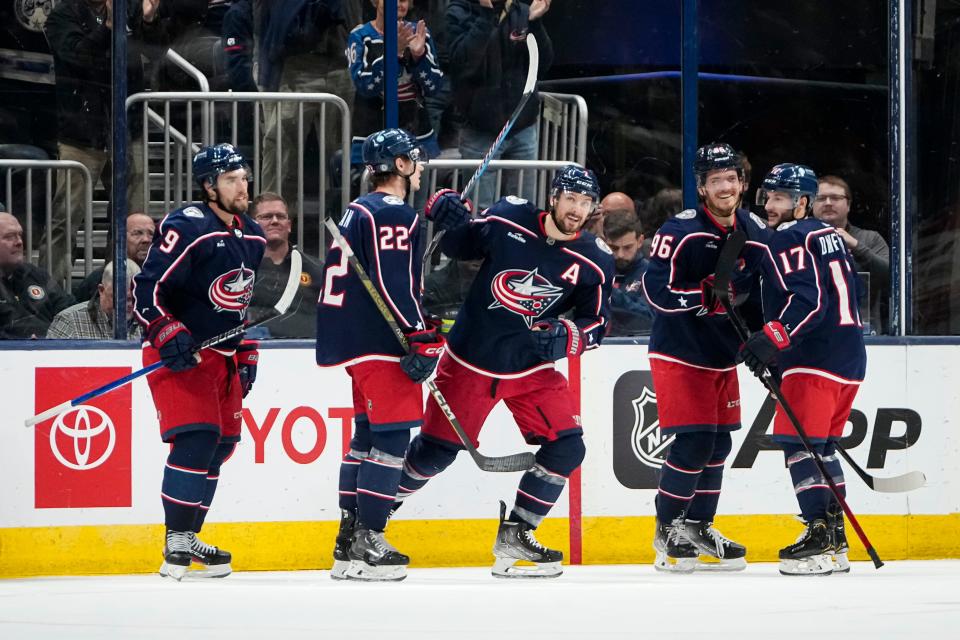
{"x": 684, "y": 252}
{"x": 200, "y": 271}
{"x": 384, "y": 233}
{"x": 525, "y": 277}
{"x": 810, "y": 286}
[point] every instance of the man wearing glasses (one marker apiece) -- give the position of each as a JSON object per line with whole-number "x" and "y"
{"x": 870, "y": 251}
{"x": 271, "y": 213}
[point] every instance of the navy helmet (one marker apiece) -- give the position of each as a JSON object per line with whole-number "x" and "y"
{"x": 381, "y": 148}
{"x": 211, "y": 162}
{"x": 577, "y": 180}
{"x": 795, "y": 179}
{"x": 716, "y": 156}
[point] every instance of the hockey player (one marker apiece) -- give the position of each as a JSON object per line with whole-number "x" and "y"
{"x": 814, "y": 335}
{"x": 383, "y": 232}
{"x": 692, "y": 352}
{"x": 537, "y": 265}
{"x": 196, "y": 282}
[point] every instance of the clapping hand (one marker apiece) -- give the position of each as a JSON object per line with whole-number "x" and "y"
{"x": 418, "y": 43}
{"x": 538, "y": 8}
{"x": 150, "y": 9}
{"x": 405, "y": 36}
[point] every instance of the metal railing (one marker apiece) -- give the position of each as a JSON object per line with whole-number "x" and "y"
{"x": 10, "y": 167}
{"x": 563, "y": 127}
{"x": 174, "y": 118}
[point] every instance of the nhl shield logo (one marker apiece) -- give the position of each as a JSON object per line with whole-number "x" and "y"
{"x": 648, "y": 443}
{"x": 639, "y": 447}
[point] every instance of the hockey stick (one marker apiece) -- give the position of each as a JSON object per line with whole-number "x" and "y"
{"x": 533, "y": 52}
{"x": 722, "y": 274}
{"x": 910, "y": 481}
{"x": 515, "y": 462}
{"x": 279, "y": 309}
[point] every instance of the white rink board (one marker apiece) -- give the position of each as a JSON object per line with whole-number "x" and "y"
{"x": 921, "y": 379}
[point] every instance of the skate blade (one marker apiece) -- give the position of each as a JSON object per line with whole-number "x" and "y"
{"x": 666, "y": 564}
{"x": 339, "y": 569}
{"x": 174, "y": 571}
{"x": 507, "y": 568}
{"x": 359, "y": 570}
{"x": 820, "y": 565}
{"x": 840, "y": 563}
{"x": 208, "y": 571}
{"x": 709, "y": 564}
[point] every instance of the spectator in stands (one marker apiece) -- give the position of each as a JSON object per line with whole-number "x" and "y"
{"x": 420, "y": 76}
{"x": 271, "y": 213}
{"x": 29, "y": 299}
{"x": 237, "y": 42}
{"x": 488, "y": 64}
{"x": 613, "y": 201}
{"x": 870, "y": 251}
{"x": 666, "y": 203}
{"x": 631, "y": 314}
{"x": 79, "y": 34}
{"x": 300, "y": 48}
{"x": 140, "y": 229}
{"x": 93, "y": 319}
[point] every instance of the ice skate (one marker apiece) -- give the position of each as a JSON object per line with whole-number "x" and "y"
{"x": 341, "y": 548}
{"x": 373, "y": 559}
{"x": 215, "y": 561}
{"x": 811, "y": 554}
{"x": 674, "y": 553}
{"x": 176, "y": 555}
{"x": 840, "y": 547}
{"x": 516, "y": 543}
{"x": 716, "y": 552}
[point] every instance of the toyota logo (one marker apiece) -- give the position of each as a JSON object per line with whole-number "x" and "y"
{"x": 82, "y": 424}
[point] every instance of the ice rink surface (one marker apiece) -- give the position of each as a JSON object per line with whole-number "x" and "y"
{"x": 903, "y": 599}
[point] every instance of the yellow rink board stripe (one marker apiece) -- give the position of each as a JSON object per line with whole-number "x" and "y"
{"x": 284, "y": 546}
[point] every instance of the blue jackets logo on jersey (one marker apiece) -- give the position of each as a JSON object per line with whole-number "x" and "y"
{"x": 232, "y": 290}
{"x": 526, "y": 293}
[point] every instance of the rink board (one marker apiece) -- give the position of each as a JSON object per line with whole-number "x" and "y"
{"x": 86, "y": 500}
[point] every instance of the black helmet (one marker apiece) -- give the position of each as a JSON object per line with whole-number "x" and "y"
{"x": 715, "y": 157}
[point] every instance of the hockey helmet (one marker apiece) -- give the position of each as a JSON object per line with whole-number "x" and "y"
{"x": 213, "y": 161}
{"x": 795, "y": 179}
{"x": 716, "y": 156}
{"x": 576, "y": 180}
{"x": 381, "y": 148}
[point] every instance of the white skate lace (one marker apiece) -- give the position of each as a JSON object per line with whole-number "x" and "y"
{"x": 178, "y": 541}
{"x": 198, "y": 545}
{"x": 528, "y": 534}
{"x": 380, "y": 544}
{"x": 718, "y": 540}
{"x": 676, "y": 532}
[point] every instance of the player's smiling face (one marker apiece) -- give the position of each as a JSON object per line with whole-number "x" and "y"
{"x": 779, "y": 208}
{"x": 721, "y": 191}
{"x": 570, "y": 211}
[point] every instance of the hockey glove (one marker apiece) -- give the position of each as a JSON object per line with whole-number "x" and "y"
{"x": 710, "y": 302}
{"x": 423, "y": 352}
{"x": 761, "y": 349}
{"x": 557, "y": 338}
{"x": 172, "y": 339}
{"x": 446, "y": 210}
{"x": 248, "y": 356}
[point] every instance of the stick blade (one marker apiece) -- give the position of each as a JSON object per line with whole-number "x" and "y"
{"x": 293, "y": 283}
{"x": 533, "y": 49}
{"x": 507, "y": 464}
{"x": 899, "y": 484}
